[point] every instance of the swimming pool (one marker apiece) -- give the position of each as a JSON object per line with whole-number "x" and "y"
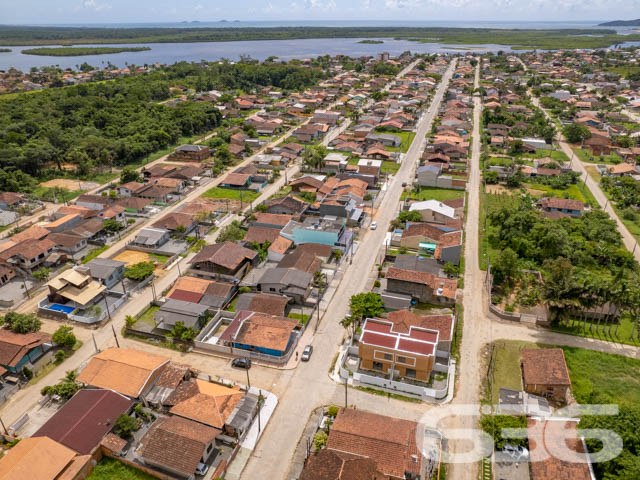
{"x": 61, "y": 308}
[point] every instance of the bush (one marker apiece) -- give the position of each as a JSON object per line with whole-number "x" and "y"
{"x": 376, "y": 284}
{"x": 244, "y": 290}
{"x": 332, "y": 411}
{"x": 60, "y": 356}
{"x": 64, "y": 337}
{"x": 21, "y": 322}
{"x": 27, "y": 373}
{"x": 320, "y": 440}
{"x": 139, "y": 271}
{"x": 126, "y": 425}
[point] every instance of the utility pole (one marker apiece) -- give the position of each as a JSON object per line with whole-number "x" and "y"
{"x": 104, "y": 297}
{"x": 95, "y": 345}
{"x": 259, "y": 408}
{"x": 346, "y": 387}
{"x": 248, "y": 382}
{"x": 115, "y": 336}
{"x": 25, "y": 288}
{"x": 3, "y": 427}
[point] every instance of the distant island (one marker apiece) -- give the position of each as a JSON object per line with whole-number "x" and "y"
{"x": 5, "y": 50}
{"x": 75, "y": 51}
{"x": 371, "y": 42}
{"x": 622, "y": 23}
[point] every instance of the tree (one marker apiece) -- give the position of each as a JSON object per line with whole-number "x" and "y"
{"x": 560, "y": 290}
{"x": 313, "y": 157}
{"x": 576, "y": 133}
{"x": 366, "y": 305}
{"x": 320, "y": 440}
{"x": 22, "y": 322}
{"x": 64, "y": 337}
{"x": 65, "y": 389}
{"x": 506, "y": 267}
{"x": 126, "y": 425}
{"x": 129, "y": 174}
{"x": 180, "y": 331}
{"x": 42, "y": 274}
{"x": 231, "y": 233}
{"x": 319, "y": 279}
{"x": 112, "y": 225}
{"x": 409, "y": 216}
{"x": 139, "y": 271}
{"x": 450, "y": 269}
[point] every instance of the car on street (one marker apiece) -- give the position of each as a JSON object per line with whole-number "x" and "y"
{"x": 404, "y": 184}
{"x": 202, "y": 469}
{"x": 306, "y": 353}
{"x": 517, "y": 452}
{"x": 373, "y": 225}
{"x": 241, "y": 363}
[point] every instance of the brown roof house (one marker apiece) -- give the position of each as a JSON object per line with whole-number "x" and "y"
{"x": 19, "y": 350}
{"x": 545, "y": 373}
{"x": 124, "y": 370}
{"x": 389, "y": 442}
{"x": 176, "y": 445}
{"x": 85, "y": 419}
{"x": 40, "y": 458}
{"x": 223, "y": 260}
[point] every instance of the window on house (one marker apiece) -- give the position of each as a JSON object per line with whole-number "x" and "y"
{"x": 272, "y": 289}
{"x": 209, "y": 447}
{"x": 410, "y": 373}
{"x": 388, "y": 356}
{"x": 401, "y": 359}
{"x": 377, "y": 366}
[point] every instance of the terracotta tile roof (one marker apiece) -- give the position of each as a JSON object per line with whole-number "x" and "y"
{"x": 404, "y": 319}
{"x": 133, "y": 203}
{"x": 335, "y": 465}
{"x": 236, "y": 179}
{"x": 561, "y": 203}
{"x": 14, "y": 346}
{"x": 77, "y": 210}
{"x": 391, "y": 442}
{"x": 550, "y": 439}
{"x": 172, "y": 221}
{"x": 32, "y": 233}
{"x": 260, "y": 330}
{"x": 263, "y": 303}
{"x": 82, "y": 422}
{"x": 545, "y": 366}
{"x": 113, "y": 443}
{"x": 10, "y": 198}
{"x": 219, "y": 289}
{"x": 65, "y": 239}
{"x": 449, "y": 286}
{"x": 191, "y": 284}
{"x": 228, "y": 255}
{"x": 35, "y": 458}
{"x": 29, "y": 248}
{"x": 177, "y": 444}
{"x": 261, "y": 234}
{"x": 280, "y": 245}
{"x": 305, "y": 261}
{"x": 124, "y": 370}
{"x": 211, "y": 404}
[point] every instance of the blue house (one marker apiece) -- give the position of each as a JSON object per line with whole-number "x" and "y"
{"x": 21, "y": 350}
{"x": 261, "y": 333}
{"x": 330, "y": 231}
{"x": 561, "y": 206}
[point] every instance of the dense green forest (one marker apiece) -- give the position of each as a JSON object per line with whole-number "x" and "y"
{"x": 75, "y": 51}
{"x": 569, "y": 38}
{"x": 120, "y": 122}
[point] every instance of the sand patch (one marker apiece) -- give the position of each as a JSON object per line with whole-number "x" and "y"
{"x": 71, "y": 185}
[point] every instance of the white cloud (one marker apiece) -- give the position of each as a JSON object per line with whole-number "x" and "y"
{"x": 198, "y": 7}
{"x": 94, "y": 5}
{"x": 320, "y": 5}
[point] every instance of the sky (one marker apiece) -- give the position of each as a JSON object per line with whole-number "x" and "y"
{"x": 143, "y": 11}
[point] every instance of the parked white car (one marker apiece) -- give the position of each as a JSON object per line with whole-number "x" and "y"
{"x": 373, "y": 225}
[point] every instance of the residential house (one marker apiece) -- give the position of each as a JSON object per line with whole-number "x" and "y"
{"x": 261, "y": 333}
{"x": 271, "y": 220}
{"x": 28, "y": 255}
{"x": 287, "y": 205}
{"x": 293, "y": 283}
{"x": 94, "y": 202}
{"x": 40, "y": 458}
{"x": 10, "y": 200}
{"x": 106, "y": 271}
{"x": 68, "y": 243}
{"x": 152, "y": 238}
{"x": 444, "y": 243}
{"x": 74, "y": 288}
{"x": 421, "y": 285}
{"x": 545, "y": 373}
{"x": 7, "y": 273}
{"x": 263, "y": 303}
{"x": 192, "y": 315}
{"x": 177, "y": 222}
{"x": 64, "y": 223}
{"x": 19, "y": 350}
{"x": 329, "y": 231}
{"x": 433, "y": 211}
{"x": 129, "y": 189}
{"x": 177, "y": 445}
{"x": 83, "y": 421}
{"x": 127, "y": 371}
{"x": 385, "y": 139}
{"x": 223, "y": 259}
{"x": 390, "y": 443}
{"x": 191, "y": 153}
{"x": 565, "y": 206}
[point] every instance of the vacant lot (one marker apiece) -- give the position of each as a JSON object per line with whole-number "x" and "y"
{"x": 131, "y": 257}
{"x": 240, "y": 195}
{"x": 69, "y": 184}
{"x": 110, "y": 469}
{"x": 431, "y": 193}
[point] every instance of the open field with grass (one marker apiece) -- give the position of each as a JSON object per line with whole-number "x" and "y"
{"x": 617, "y": 333}
{"x": 244, "y": 195}
{"x": 110, "y": 469}
{"x": 407, "y": 138}
{"x": 488, "y": 203}
{"x": 577, "y": 191}
{"x": 432, "y": 193}
{"x": 390, "y": 168}
{"x": 586, "y": 156}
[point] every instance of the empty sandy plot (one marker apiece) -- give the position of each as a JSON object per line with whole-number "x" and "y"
{"x": 497, "y": 189}
{"x": 72, "y": 185}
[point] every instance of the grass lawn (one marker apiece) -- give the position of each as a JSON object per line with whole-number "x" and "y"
{"x": 488, "y": 203}
{"x": 147, "y": 316}
{"x": 244, "y": 195}
{"x": 110, "y": 469}
{"x": 577, "y": 191}
{"x": 632, "y": 225}
{"x": 432, "y": 193}
{"x": 593, "y": 172}
{"x": 94, "y": 253}
{"x": 582, "y": 330}
{"x": 407, "y": 139}
{"x": 390, "y": 168}
{"x": 302, "y": 319}
{"x": 232, "y": 306}
{"x": 595, "y": 376}
{"x": 557, "y": 155}
{"x": 158, "y": 258}
{"x": 585, "y": 156}
{"x": 62, "y": 195}
{"x": 624, "y": 70}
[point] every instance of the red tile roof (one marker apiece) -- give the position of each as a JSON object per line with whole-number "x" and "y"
{"x": 545, "y": 366}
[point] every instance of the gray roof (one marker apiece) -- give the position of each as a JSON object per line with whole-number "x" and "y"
{"x": 174, "y": 311}
{"x": 418, "y": 264}
{"x": 190, "y": 148}
{"x": 103, "y": 268}
{"x": 150, "y": 236}
{"x": 180, "y": 306}
{"x": 287, "y": 276}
